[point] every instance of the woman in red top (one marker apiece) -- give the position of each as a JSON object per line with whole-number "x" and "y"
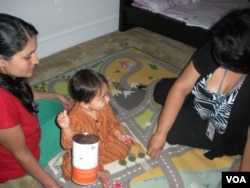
{"x": 20, "y": 131}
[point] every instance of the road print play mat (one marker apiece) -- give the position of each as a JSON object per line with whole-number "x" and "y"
{"x": 132, "y": 75}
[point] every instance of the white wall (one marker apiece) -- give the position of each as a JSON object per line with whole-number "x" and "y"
{"x": 65, "y": 23}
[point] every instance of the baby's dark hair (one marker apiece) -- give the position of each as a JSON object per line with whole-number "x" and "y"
{"x": 231, "y": 41}
{"x": 86, "y": 84}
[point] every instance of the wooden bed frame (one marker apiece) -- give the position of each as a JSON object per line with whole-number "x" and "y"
{"x": 131, "y": 16}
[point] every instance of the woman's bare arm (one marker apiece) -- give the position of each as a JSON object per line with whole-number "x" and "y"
{"x": 176, "y": 96}
{"x": 13, "y": 140}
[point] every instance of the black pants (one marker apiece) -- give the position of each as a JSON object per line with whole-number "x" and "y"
{"x": 162, "y": 88}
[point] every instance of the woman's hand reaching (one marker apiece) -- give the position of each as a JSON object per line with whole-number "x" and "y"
{"x": 156, "y": 144}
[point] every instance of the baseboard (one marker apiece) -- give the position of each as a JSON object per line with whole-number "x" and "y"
{"x": 57, "y": 42}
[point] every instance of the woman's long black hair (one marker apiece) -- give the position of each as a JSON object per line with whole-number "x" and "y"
{"x": 14, "y": 35}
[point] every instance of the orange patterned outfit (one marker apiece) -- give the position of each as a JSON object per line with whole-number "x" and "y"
{"x": 110, "y": 148}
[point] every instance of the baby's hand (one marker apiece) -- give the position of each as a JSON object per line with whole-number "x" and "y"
{"x": 104, "y": 176}
{"x": 63, "y": 120}
{"x": 127, "y": 139}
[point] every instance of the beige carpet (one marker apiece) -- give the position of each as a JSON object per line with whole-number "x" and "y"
{"x": 165, "y": 49}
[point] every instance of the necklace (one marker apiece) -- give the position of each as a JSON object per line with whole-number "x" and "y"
{"x": 235, "y": 84}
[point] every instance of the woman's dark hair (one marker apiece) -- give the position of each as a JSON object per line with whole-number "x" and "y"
{"x": 14, "y": 35}
{"x": 86, "y": 84}
{"x": 231, "y": 41}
